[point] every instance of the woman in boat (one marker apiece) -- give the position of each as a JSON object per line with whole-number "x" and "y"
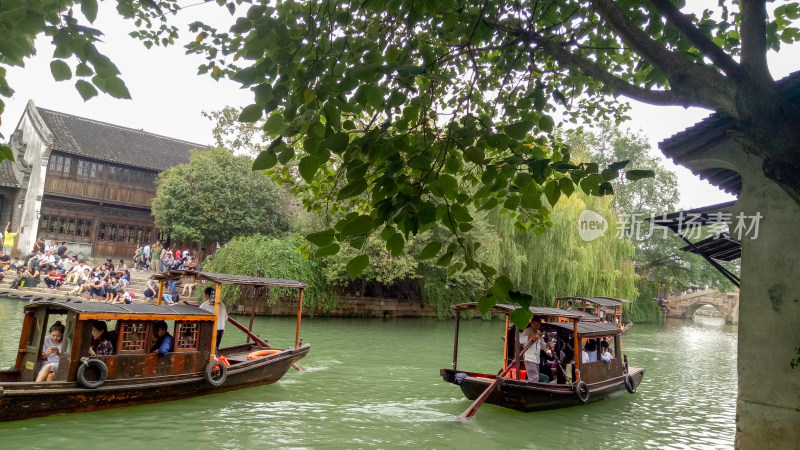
{"x": 52, "y": 353}
{"x": 589, "y": 353}
{"x": 101, "y": 340}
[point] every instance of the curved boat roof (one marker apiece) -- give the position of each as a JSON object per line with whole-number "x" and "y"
{"x": 589, "y": 329}
{"x": 98, "y": 310}
{"x": 600, "y": 301}
{"x": 505, "y": 308}
{"x": 224, "y": 278}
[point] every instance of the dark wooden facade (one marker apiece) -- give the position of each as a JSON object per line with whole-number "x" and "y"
{"x": 100, "y": 204}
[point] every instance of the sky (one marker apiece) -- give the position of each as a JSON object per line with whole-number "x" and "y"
{"x": 169, "y": 96}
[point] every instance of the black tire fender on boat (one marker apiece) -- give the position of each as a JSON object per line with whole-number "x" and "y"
{"x": 96, "y": 364}
{"x": 629, "y": 384}
{"x": 582, "y": 391}
{"x": 219, "y": 378}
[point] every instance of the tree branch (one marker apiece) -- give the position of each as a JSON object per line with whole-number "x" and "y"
{"x": 754, "y": 40}
{"x": 700, "y": 83}
{"x": 706, "y": 46}
{"x": 564, "y": 56}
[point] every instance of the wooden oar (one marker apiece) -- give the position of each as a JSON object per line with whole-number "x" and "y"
{"x": 473, "y": 408}
{"x": 255, "y": 338}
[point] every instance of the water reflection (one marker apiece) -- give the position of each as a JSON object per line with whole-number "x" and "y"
{"x": 374, "y": 383}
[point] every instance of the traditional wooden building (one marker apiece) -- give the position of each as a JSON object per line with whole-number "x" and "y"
{"x": 83, "y": 181}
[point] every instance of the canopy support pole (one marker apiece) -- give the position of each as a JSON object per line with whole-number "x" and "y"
{"x": 455, "y": 341}
{"x": 299, "y": 315}
{"x": 160, "y": 292}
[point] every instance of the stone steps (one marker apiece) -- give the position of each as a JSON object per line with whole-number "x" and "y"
{"x": 138, "y": 282}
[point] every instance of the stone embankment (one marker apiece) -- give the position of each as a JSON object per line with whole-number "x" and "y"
{"x": 348, "y": 306}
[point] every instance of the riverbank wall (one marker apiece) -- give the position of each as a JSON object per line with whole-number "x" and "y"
{"x": 349, "y": 306}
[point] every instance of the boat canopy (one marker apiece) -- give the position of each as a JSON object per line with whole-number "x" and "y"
{"x": 222, "y": 278}
{"x": 599, "y": 301}
{"x": 109, "y": 311}
{"x": 621, "y": 300}
{"x": 505, "y": 308}
{"x": 588, "y": 329}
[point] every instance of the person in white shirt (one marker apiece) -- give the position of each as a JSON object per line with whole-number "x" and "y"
{"x": 531, "y": 356}
{"x": 589, "y": 353}
{"x": 605, "y": 354}
{"x": 74, "y": 276}
{"x": 208, "y": 305}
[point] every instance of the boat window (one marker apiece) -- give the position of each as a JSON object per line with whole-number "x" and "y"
{"x": 187, "y": 335}
{"x": 134, "y": 337}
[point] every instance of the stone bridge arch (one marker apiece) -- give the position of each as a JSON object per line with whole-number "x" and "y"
{"x": 684, "y": 306}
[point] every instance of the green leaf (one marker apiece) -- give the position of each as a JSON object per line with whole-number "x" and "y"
{"x": 251, "y": 113}
{"x": 338, "y": 142}
{"x": 489, "y": 204}
{"x": 83, "y": 70}
{"x": 444, "y": 261}
{"x": 286, "y": 155}
{"x": 60, "y": 70}
{"x": 307, "y": 167}
{"x": 358, "y": 225}
{"x": 327, "y": 250}
{"x": 474, "y": 154}
{"x": 352, "y": 189}
{"x": 430, "y": 250}
{"x": 567, "y": 186}
{"x": 357, "y": 265}
{"x": 501, "y": 288}
{"x": 523, "y": 179}
{"x": 546, "y": 123}
{"x": 522, "y": 299}
{"x": 619, "y": 165}
{"x": 116, "y": 88}
{"x": 274, "y": 125}
{"x": 395, "y": 244}
{"x": 518, "y": 130}
{"x": 448, "y": 184}
{"x": 460, "y": 213}
{"x": 486, "y": 303}
{"x": 512, "y": 202}
{"x": 521, "y": 317}
{"x": 6, "y": 154}
{"x": 552, "y": 191}
{"x": 89, "y": 9}
{"x": 86, "y": 89}
{"x": 265, "y": 160}
{"x": 634, "y": 175}
{"x": 322, "y": 238}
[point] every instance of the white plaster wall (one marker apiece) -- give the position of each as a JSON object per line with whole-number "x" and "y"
{"x": 38, "y": 141}
{"x": 768, "y": 406}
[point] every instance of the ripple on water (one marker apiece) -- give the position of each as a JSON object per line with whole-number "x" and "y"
{"x": 376, "y": 384}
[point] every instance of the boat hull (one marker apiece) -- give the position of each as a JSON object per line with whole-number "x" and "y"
{"x": 27, "y": 400}
{"x": 527, "y": 396}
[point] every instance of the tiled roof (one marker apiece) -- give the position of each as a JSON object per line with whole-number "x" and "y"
{"x": 711, "y": 131}
{"x": 10, "y": 175}
{"x": 113, "y": 143}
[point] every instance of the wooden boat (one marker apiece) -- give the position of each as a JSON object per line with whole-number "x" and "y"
{"x": 132, "y": 375}
{"x": 582, "y": 383}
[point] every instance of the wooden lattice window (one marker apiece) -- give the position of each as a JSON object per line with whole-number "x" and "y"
{"x": 187, "y": 335}
{"x": 133, "y": 337}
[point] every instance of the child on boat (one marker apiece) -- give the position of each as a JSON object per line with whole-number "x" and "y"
{"x": 52, "y": 354}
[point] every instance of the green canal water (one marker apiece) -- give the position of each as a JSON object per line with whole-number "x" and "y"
{"x": 375, "y": 384}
